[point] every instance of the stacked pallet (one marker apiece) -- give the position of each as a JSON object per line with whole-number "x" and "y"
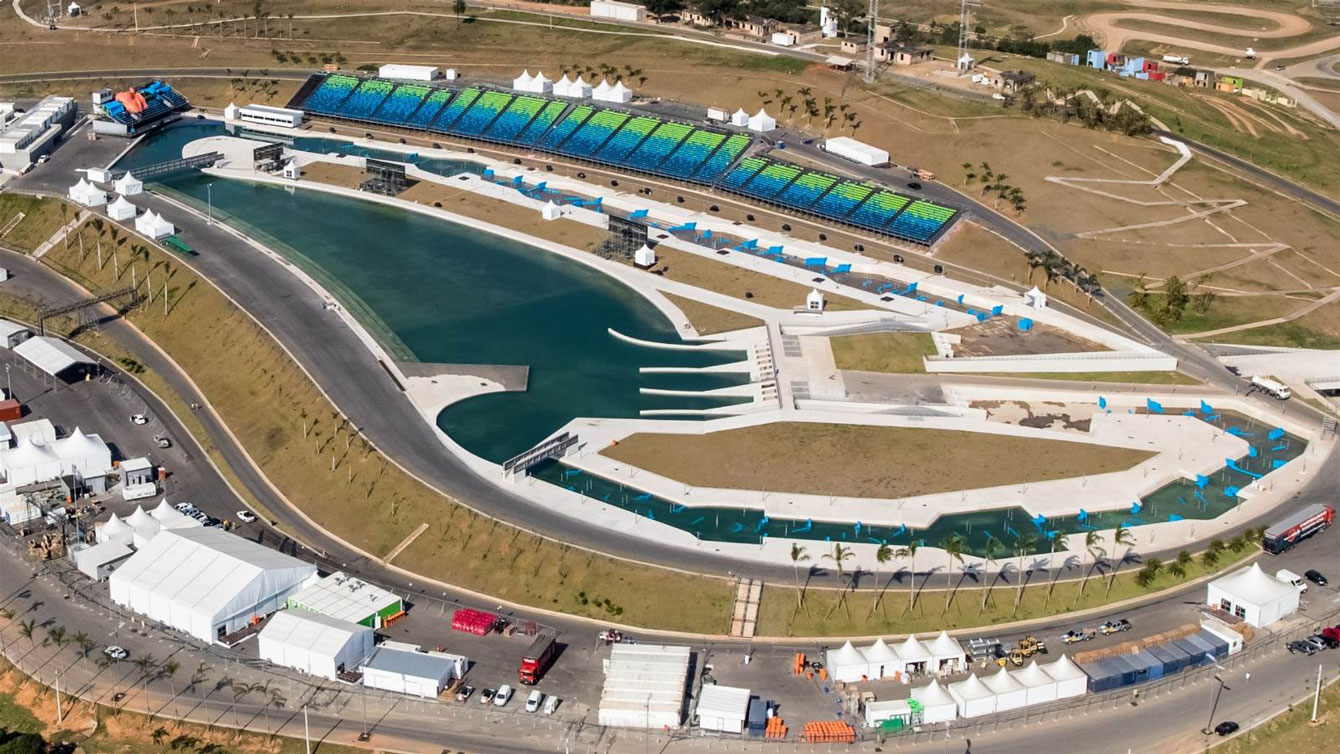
{"x": 829, "y": 732}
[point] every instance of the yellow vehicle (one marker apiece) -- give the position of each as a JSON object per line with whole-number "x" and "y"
{"x": 1029, "y": 646}
{"x": 925, "y": 175}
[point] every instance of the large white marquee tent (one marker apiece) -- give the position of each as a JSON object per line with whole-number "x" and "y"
{"x": 644, "y": 686}
{"x": 1252, "y": 595}
{"x": 206, "y": 582}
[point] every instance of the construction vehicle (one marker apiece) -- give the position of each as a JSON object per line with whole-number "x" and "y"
{"x": 1029, "y": 646}
{"x": 923, "y": 174}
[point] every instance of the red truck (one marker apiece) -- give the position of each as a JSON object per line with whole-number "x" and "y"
{"x": 536, "y": 660}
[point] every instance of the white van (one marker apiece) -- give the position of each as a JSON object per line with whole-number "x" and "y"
{"x": 533, "y": 701}
{"x": 1272, "y": 386}
{"x": 1289, "y": 577}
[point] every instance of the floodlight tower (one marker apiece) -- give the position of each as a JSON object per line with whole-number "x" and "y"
{"x": 872, "y": 18}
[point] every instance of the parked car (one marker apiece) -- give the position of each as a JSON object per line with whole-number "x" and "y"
{"x": 503, "y": 696}
{"x": 1075, "y": 637}
{"x": 246, "y": 517}
{"x": 1315, "y": 577}
{"x": 1298, "y": 646}
{"x": 551, "y": 704}
{"x": 1317, "y": 642}
{"x": 186, "y": 508}
{"x": 1114, "y": 627}
{"x": 533, "y": 701}
{"x": 1226, "y": 728}
{"x": 486, "y": 696}
{"x": 140, "y": 419}
{"x": 463, "y": 693}
{"x": 914, "y": 186}
{"x": 1331, "y": 640}
{"x": 115, "y": 652}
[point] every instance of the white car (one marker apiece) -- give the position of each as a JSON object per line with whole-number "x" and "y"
{"x": 139, "y": 419}
{"x": 185, "y": 508}
{"x": 245, "y": 517}
{"x": 533, "y": 701}
{"x": 115, "y": 652}
{"x": 503, "y": 696}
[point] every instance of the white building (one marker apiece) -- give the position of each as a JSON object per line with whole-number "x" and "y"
{"x": 856, "y": 151}
{"x": 761, "y": 122}
{"x": 206, "y": 582}
{"x": 644, "y": 686}
{"x": 349, "y": 599}
{"x": 722, "y": 708}
{"x": 23, "y": 140}
{"x": 87, "y": 194}
{"x": 938, "y": 705}
{"x": 618, "y": 11}
{"x": 121, "y": 209}
{"x": 12, "y": 333}
{"x": 270, "y": 116}
{"x": 814, "y": 300}
{"x": 408, "y": 72}
{"x": 1253, "y": 596}
{"x": 52, "y": 355}
{"x": 153, "y": 225}
{"x": 404, "y": 669}
{"x": 98, "y": 561}
{"x": 314, "y": 643}
{"x": 128, "y": 185}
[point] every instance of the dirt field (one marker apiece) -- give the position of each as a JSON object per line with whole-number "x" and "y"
{"x": 1001, "y": 336}
{"x": 862, "y": 461}
{"x": 741, "y": 283}
{"x": 710, "y": 320}
{"x": 41, "y": 219}
{"x": 899, "y": 352}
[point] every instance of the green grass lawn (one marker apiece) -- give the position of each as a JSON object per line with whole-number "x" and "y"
{"x": 1291, "y": 334}
{"x": 900, "y": 352}
{"x": 1141, "y": 378}
{"x": 1291, "y": 731}
{"x": 42, "y": 218}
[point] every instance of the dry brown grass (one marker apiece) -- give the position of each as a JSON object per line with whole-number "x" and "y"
{"x": 710, "y": 320}
{"x": 863, "y": 461}
{"x": 459, "y": 201}
{"x": 729, "y": 280}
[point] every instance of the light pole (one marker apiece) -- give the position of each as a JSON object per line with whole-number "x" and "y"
{"x": 306, "y": 731}
{"x": 209, "y": 203}
{"x": 1214, "y": 705}
{"x": 1316, "y": 697}
{"x": 9, "y": 386}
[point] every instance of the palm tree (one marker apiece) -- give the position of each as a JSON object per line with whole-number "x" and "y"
{"x": 910, "y": 552}
{"x": 1024, "y": 545}
{"x": 26, "y": 628}
{"x": 953, "y": 545}
{"x": 1184, "y": 559}
{"x": 85, "y": 644}
{"x": 839, "y": 555}
{"x": 1092, "y": 546}
{"x": 57, "y": 635}
{"x": 883, "y": 555}
{"x": 240, "y": 692}
{"x": 144, "y": 664}
{"x": 1121, "y": 536}
{"x": 169, "y": 671}
{"x": 990, "y": 549}
{"x": 1059, "y": 543}
{"x": 797, "y": 555}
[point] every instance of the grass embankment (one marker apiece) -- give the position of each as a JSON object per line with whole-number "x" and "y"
{"x": 729, "y": 280}
{"x": 900, "y": 352}
{"x": 29, "y": 708}
{"x": 1294, "y": 334}
{"x": 710, "y": 320}
{"x": 41, "y": 219}
{"x": 823, "y": 616}
{"x": 863, "y": 461}
{"x": 1141, "y": 378}
{"x": 1292, "y": 730}
{"x": 295, "y": 435}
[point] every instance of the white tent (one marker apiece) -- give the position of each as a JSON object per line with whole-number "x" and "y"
{"x": 1041, "y": 687}
{"x": 314, "y": 643}
{"x": 1010, "y": 693}
{"x": 914, "y": 655}
{"x": 847, "y": 664}
{"x": 153, "y": 225}
{"x": 644, "y": 257}
{"x": 1249, "y": 593}
{"x": 1035, "y": 299}
{"x": 83, "y": 455}
{"x": 140, "y": 518}
{"x": 617, "y": 93}
{"x": 87, "y": 194}
{"x": 542, "y": 84}
{"x": 524, "y": 82}
{"x": 739, "y": 118}
{"x": 206, "y": 582}
{"x": 938, "y": 705}
{"x": 973, "y": 697}
{"x": 51, "y": 355}
{"x": 762, "y": 122}
{"x": 563, "y": 86}
{"x": 579, "y": 88}
{"x": 1070, "y": 680}
{"x": 404, "y": 669}
{"x": 114, "y": 530}
{"x": 948, "y": 654}
{"x": 128, "y": 185}
{"x": 723, "y": 708}
{"x": 29, "y": 462}
{"x": 644, "y": 686}
{"x": 121, "y": 209}
{"x": 881, "y": 660}
{"x": 602, "y": 91}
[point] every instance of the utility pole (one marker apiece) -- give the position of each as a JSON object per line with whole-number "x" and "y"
{"x": 1214, "y": 705}
{"x": 872, "y": 18}
{"x": 306, "y": 731}
{"x": 1316, "y": 697}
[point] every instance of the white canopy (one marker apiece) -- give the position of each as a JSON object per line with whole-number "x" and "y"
{"x": 947, "y": 651}
{"x": 1261, "y": 599}
{"x": 121, "y": 209}
{"x": 115, "y": 530}
{"x": 29, "y": 462}
{"x": 579, "y": 88}
{"x": 140, "y": 518}
{"x": 1070, "y": 680}
{"x": 86, "y": 455}
{"x": 87, "y": 194}
{"x": 938, "y": 705}
{"x": 723, "y": 708}
{"x": 153, "y": 225}
{"x": 644, "y": 686}
{"x": 128, "y": 185}
{"x": 847, "y": 664}
{"x": 739, "y": 118}
{"x": 562, "y": 86}
{"x": 913, "y": 652}
{"x": 49, "y": 354}
{"x": 1010, "y": 693}
{"x": 973, "y": 697}
{"x": 602, "y": 90}
{"x": 762, "y": 122}
{"x": 1035, "y": 298}
{"x": 524, "y": 82}
{"x": 881, "y": 660}
{"x": 1041, "y": 687}
{"x": 616, "y": 93}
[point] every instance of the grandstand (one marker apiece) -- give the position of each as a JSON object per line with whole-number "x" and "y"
{"x": 140, "y": 109}
{"x": 629, "y": 141}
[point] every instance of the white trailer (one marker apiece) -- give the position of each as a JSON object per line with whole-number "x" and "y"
{"x": 618, "y": 11}
{"x": 408, "y": 72}
{"x": 856, "y": 151}
{"x": 1272, "y": 386}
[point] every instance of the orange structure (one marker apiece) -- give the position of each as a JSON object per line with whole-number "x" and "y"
{"x": 776, "y": 729}
{"x": 829, "y": 732}
{"x": 800, "y": 665}
{"x": 132, "y": 100}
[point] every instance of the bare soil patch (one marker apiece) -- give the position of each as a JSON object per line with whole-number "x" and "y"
{"x": 1001, "y": 336}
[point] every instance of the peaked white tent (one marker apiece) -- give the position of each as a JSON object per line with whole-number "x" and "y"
{"x": 114, "y": 530}
{"x": 206, "y": 582}
{"x": 542, "y": 84}
{"x": 83, "y": 455}
{"x": 739, "y": 118}
{"x": 938, "y": 705}
{"x": 314, "y": 643}
{"x": 1070, "y": 680}
{"x": 1249, "y": 593}
{"x": 914, "y": 655}
{"x": 580, "y": 88}
{"x": 1041, "y": 687}
{"x": 723, "y": 708}
{"x": 524, "y": 82}
{"x": 121, "y": 209}
{"x": 602, "y": 91}
{"x": 1035, "y": 299}
{"x": 973, "y": 697}
{"x": 87, "y": 194}
{"x": 153, "y": 225}
{"x": 128, "y": 185}
{"x": 947, "y": 653}
{"x": 847, "y": 664}
{"x": 562, "y": 86}
{"x": 29, "y": 462}
{"x": 1010, "y": 693}
{"x": 762, "y": 122}
{"x": 617, "y": 93}
{"x": 881, "y": 660}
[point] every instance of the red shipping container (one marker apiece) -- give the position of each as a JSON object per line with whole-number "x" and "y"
{"x": 10, "y": 410}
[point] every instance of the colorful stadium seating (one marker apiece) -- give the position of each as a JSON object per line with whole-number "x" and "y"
{"x": 684, "y": 162}
{"x": 540, "y": 125}
{"x": 771, "y": 180}
{"x": 841, "y": 199}
{"x": 722, "y": 158}
{"x": 565, "y": 127}
{"x": 658, "y": 145}
{"x": 365, "y": 98}
{"x": 806, "y": 189}
{"x": 327, "y": 97}
{"x": 516, "y": 117}
{"x": 593, "y": 134}
{"x": 423, "y": 117}
{"x": 920, "y": 221}
{"x": 627, "y": 139}
{"x": 454, "y": 109}
{"x": 876, "y": 211}
{"x": 481, "y": 114}
{"x": 740, "y": 175}
{"x": 396, "y": 108}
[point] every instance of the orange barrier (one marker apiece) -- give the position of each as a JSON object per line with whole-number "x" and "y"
{"x": 776, "y": 729}
{"x": 799, "y": 667}
{"x": 829, "y": 732}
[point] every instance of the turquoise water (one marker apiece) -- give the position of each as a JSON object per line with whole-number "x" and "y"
{"x": 449, "y": 294}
